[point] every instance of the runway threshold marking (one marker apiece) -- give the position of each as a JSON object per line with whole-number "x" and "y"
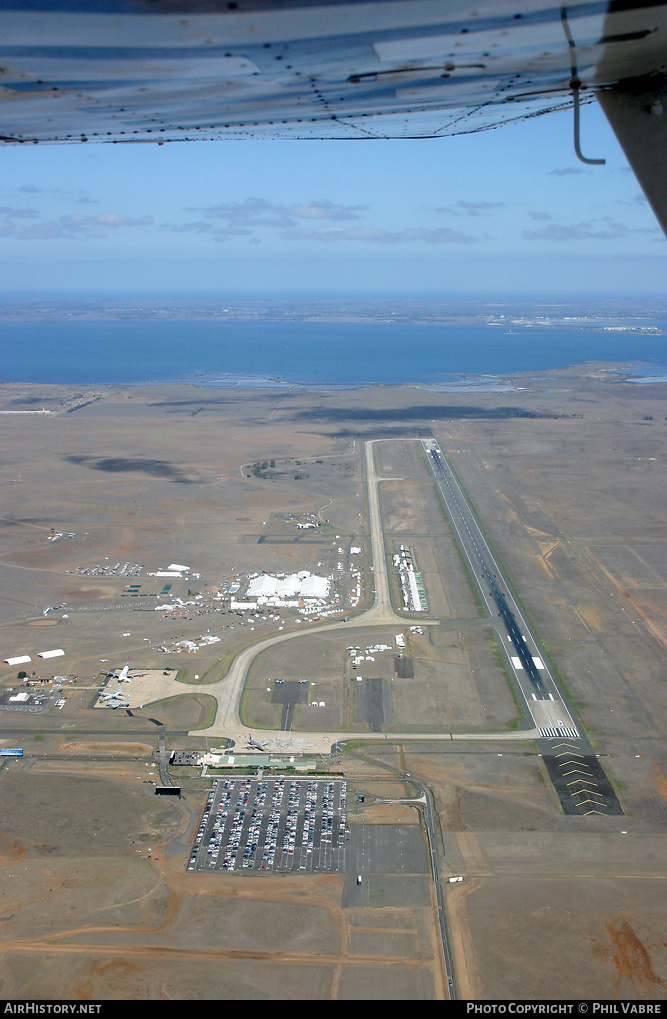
{"x": 549, "y": 732}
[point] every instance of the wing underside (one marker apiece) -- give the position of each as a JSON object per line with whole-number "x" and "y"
{"x": 124, "y": 70}
{"x": 166, "y": 70}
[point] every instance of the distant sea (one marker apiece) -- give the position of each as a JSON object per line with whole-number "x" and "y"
{"x": 260, "y": 354}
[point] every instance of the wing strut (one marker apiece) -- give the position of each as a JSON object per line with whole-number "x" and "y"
{"x": 575, "y": 85}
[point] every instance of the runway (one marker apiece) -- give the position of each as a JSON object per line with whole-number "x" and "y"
{"x": 524, "y": 657}
{"x": 577, "y": 775}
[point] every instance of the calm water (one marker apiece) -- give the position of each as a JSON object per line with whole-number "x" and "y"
{"x": 304, "y": 352}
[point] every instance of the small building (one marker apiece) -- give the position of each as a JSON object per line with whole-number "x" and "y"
{"x": 249, "y": 761}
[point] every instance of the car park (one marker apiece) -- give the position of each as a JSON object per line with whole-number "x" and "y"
{"x": 273, "y": 824}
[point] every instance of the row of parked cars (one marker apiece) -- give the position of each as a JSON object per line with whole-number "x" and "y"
{"x": 202, "y": 828}
{"x": 271, "y": 838}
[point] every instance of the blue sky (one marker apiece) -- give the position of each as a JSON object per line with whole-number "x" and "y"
{"x": 509, "y": 210}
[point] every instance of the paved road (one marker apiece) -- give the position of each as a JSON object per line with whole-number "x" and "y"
{"x": 424, "y": 803}
{"x": 429, "y": 825}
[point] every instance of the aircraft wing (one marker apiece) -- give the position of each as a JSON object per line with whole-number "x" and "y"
{"x": 165, "y": 70}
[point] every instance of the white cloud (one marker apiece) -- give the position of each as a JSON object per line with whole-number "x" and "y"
{"x": 66, "y": 226}
{"x": 471, "y": 208}
{"x": 639, "y": 200}
{"x": 110, "y": 219}
{"x": 11, "y": 213}
{"x": 260, "y": 212}
{"x": 371, "y": 235}
{"x": 600, "y": 229}
{"x": 324, "y": 210}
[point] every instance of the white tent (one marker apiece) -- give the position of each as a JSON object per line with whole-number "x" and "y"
{"x": 289, "y": 587}
{"x": 306, "y": 584}
{"x": 262, "y": 587}
{"x": 315, "y": 587}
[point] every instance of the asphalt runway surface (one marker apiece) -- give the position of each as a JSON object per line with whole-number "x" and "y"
{"x": 387, "y": 849}
{"x": 579, "y": 779}
{"x": 374, "y": 703}
{"x": 288, "y": 692}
